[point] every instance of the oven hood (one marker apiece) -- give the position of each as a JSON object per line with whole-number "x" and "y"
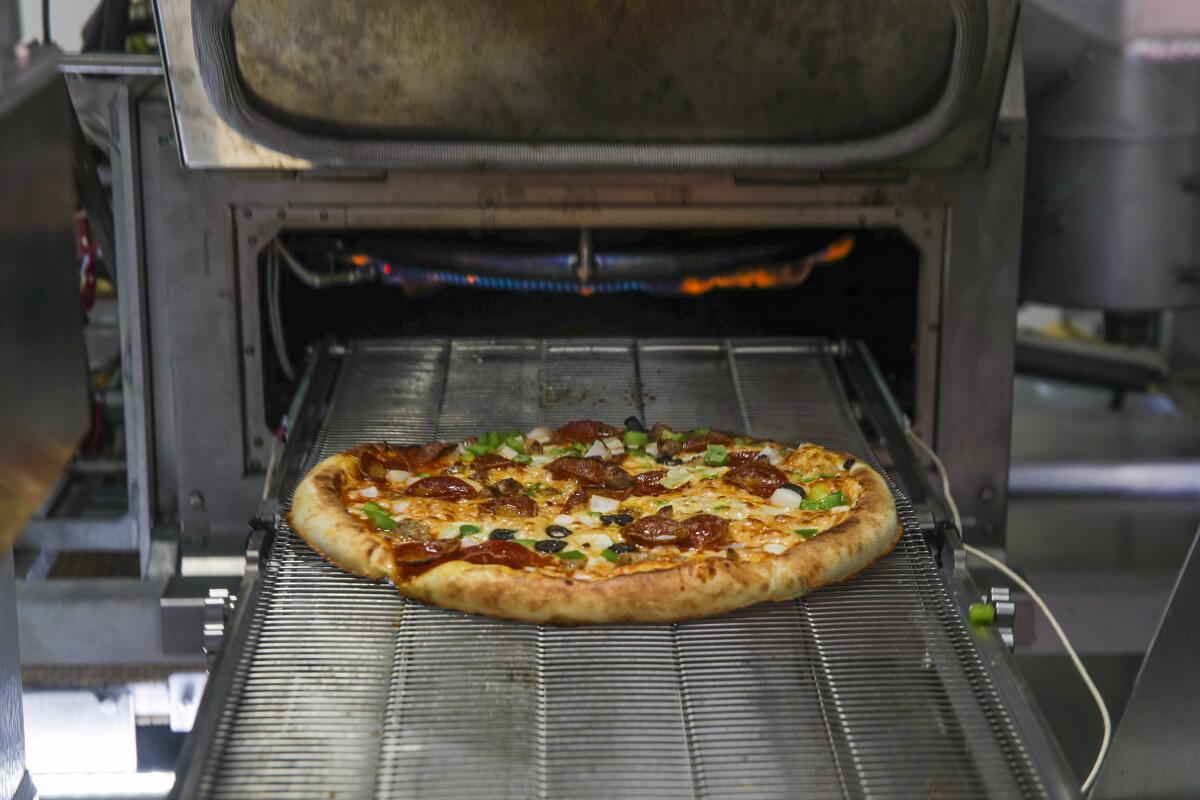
{"x": 580, "y": 84}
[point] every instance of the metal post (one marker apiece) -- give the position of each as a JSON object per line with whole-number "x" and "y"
{"x": 10, "y": 30}
{"x": 14, "y": 781}
{"x": 979, "y": 320}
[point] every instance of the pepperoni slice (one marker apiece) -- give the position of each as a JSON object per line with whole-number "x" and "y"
{"x": 489, "y": 461}
{"x": 372, "y": 463}
{"x": 419, "y": 554}
{"x": 422, "y": 454}
{"x": 442, "y": 486}
{"x": 518, "y": 506}
{"x": 576, "y": 499}
{"x": 706, "y": 531}
{"x": 647, "y": 484}
{"x": 739, "y": 457}
{"x": 375, "y": 460}
{"x": 584, "y": 470}
{"x": 505, "y": 488}
{"x": 590, "y": 472}
{"x": 757, "y": 478}
{"x": 701, "y": 442}
{"x": 504, "y": 553}
{"x": 653, "y": 531}
{"x": 584, "y": 431}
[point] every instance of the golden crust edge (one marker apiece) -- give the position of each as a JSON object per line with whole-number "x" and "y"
{"x": 319, "y": 518}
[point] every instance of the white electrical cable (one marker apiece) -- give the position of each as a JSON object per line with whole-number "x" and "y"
{"x": 1037, "y": 598}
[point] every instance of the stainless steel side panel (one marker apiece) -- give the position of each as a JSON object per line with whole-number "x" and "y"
{"x": 1153, "y": 751}
{"x": 335, "y": 685}
{"x": 12, "y": 729}
{"x": 43, "y": 388}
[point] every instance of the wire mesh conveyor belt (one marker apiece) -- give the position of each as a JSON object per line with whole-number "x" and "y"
{"x": 340, "y": 688}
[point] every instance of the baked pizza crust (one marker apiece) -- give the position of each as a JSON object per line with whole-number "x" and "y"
{"x": 318, "y": 516}
{"x": 703, "y": 586}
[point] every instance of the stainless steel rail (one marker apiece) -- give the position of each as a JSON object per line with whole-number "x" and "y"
{"x": 334, "y": 686}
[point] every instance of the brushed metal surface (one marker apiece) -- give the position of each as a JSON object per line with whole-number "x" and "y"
{"x": 369, "y": 65}
{"x": 12, "y": 731}
{"x": 1152, "y": 753}
{"x": 868, "y": 689}
{"x": 566, "y": 70}
{"x": 43, "y": 379}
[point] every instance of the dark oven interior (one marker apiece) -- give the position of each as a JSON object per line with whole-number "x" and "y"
{"x": 422, "y": 282}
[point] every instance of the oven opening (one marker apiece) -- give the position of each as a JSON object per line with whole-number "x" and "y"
{"x": 859, "y": 283}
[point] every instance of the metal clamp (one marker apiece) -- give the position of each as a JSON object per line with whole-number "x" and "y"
{"x": 218, "y": 607}
{"x": 1000, "y": 598}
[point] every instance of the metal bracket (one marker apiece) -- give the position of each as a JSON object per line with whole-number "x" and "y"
{"x": 218, "y": 608}
{"x": 1006, "y": 614}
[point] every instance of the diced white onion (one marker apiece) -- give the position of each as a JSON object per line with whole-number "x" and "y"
{"x": 652, "y": 449}
{"x": 565, "y": 520}
{"x": 398, "y": 506}
{"x": 675, "y": 477}
{"x": 596, "y": 561}
{"x": 614, "y": 445}
{"x": 786, "y": 498}
{"x": 474, "y": 539}
{"x": 840, "y": 509}
{"x": 604, "y": 505}
{"x": 449, "y": 531}
{"x": 587, "y": 519}
{"x": 398, "y": 475}
{"x": 597, "y": 449}
{"x": 771, "y": 455}
{"x": 541, "y": 435}
{"x": 506, "y": 451}
{"x": 540, "y": 460}
{"x": 775, "y": 549}
{"x": 369, "y": 491}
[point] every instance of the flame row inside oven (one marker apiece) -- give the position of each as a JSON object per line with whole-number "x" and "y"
{"x": 785, "y": 274}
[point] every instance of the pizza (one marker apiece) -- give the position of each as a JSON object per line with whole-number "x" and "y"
{"x": 593, "y": 523}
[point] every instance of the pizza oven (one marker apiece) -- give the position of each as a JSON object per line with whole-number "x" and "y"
{"x": 425, "y": 219}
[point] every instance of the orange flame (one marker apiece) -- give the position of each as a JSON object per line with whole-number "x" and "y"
{"x": 837, "y": 250}
{"x": 770, "y": 277}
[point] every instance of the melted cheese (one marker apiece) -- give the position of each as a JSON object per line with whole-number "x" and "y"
{"x": 757, "y": 530}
